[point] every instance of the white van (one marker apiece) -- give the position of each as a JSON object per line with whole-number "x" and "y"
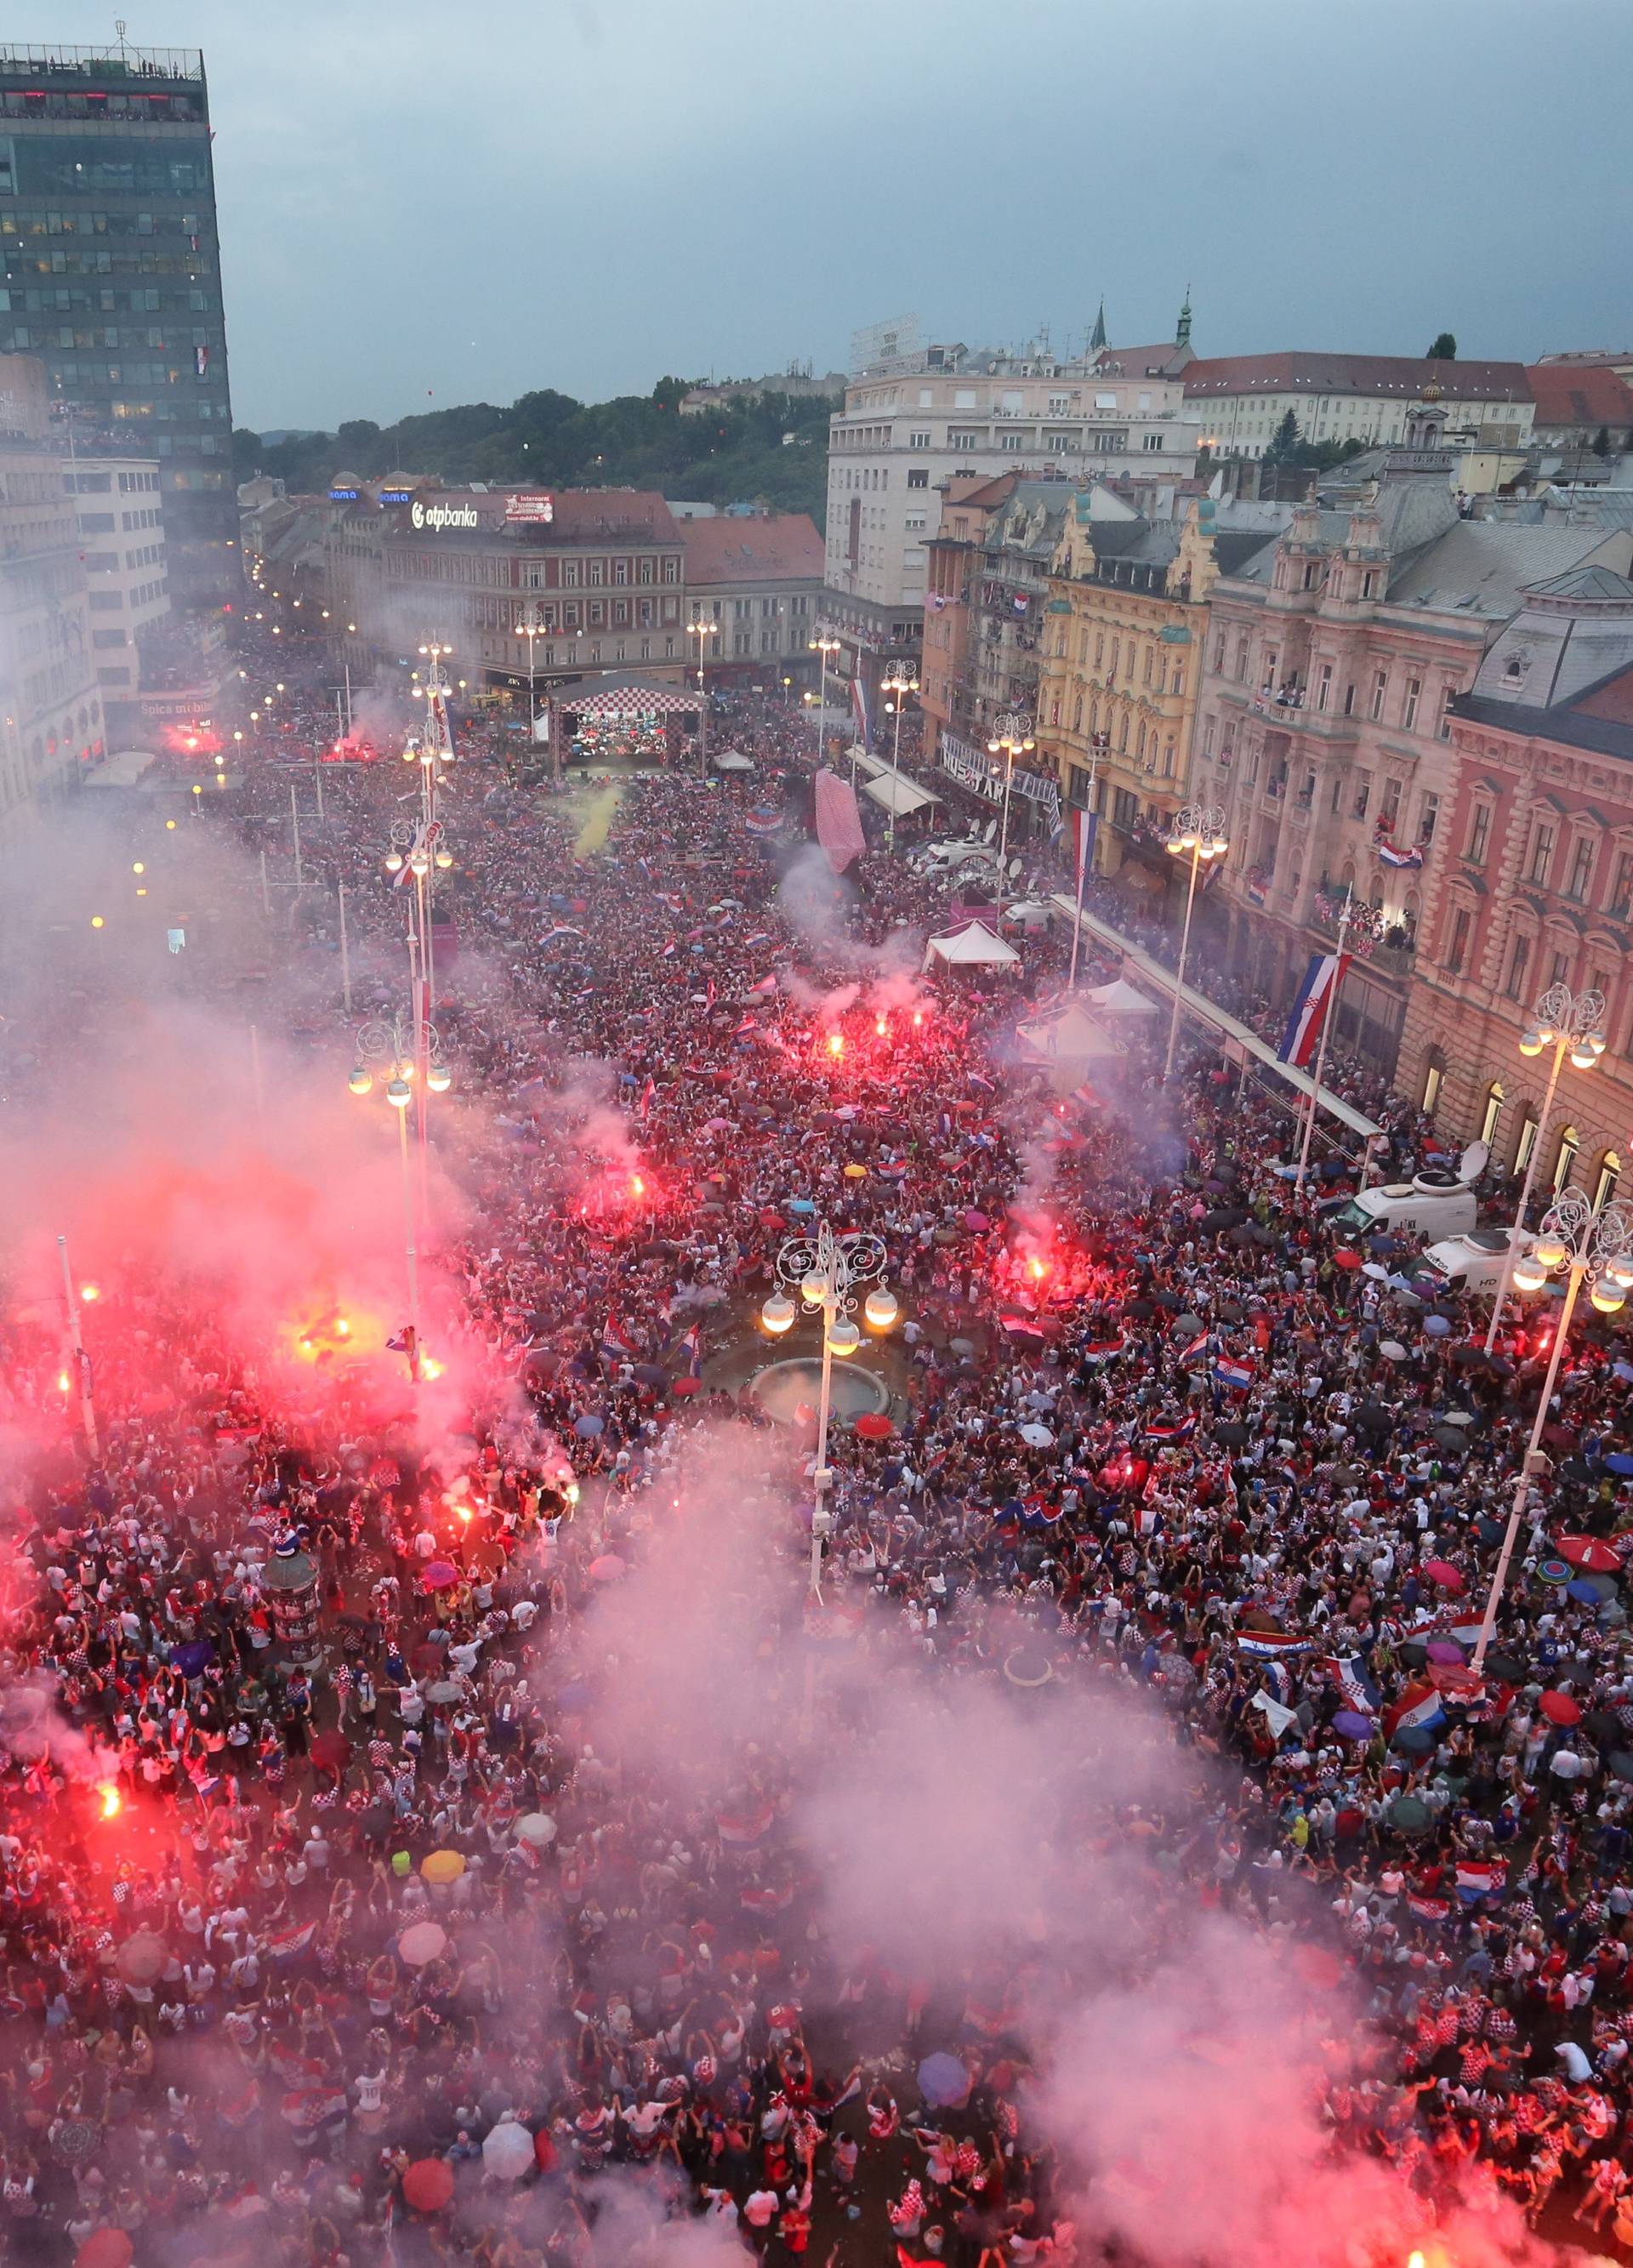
{"x": 1474, "y": 1264}
{"x": 943, "y": 859}
{"x": 1437, "y": 1203}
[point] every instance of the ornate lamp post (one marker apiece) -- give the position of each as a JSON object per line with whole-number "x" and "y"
{"x": 703, "y": 630}
{"x": 407, "y": 1061}
{"x": 1197, "y": 833}
{"x": 1594, "y": 1248}
{"x": 1570, "y": 1023}
{"x": 825, "y": 644}
{"x": 825, "y": 1269}
{"x": 530, "y": 625}
{"x": 1011, "y": 737}
{"x": 900, "y": 683}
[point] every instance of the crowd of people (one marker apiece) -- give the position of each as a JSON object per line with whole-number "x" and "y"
{"x": 351, "y": 1908}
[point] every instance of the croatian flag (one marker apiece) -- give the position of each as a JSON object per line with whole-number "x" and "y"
{"x": 1084, "y": 828}
{"x": 1172, "y": 1429}
{"x": 1198, "y": 1345}
{"x": 616, "y": 1346}
{"x": 858, "y": 704}
{"x": 1270, "y": 1646}
{"x": 1391, "y": 857}
{"x": 1321, "y": 980}
{"x": 1482, "y": 1878}
{"x": 1350, "y": 1673}
{"x": 1429, "y": 1910}
{"x": 744, "y": 1826}
{"x": 1230, "y": 1372}
{"x": 292, "y": 1944}
{"x": 1419, "y": 1707}
{"x": 691, "y": 1346}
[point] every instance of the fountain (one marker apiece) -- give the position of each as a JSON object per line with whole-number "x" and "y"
{"x": 783, "y": 1387}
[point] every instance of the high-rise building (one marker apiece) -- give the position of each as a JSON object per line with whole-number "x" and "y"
{"x": 112, "y": 277}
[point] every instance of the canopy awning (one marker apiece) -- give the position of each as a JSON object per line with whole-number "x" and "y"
{"x": 629, "y": 697}
{"x": 898, "y": 795}
{"x": 1071, "y": 1036}
{"x": 733, "y": 760}
{"x": 973, "y": 946}
{"x": 1119, "y": 998}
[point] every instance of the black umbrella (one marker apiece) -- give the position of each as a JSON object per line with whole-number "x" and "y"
{"x": 1233, "y": 1435}
{"x": 1371, "y": 1417}
{"x": 1620, "y": 1763}
{"x": 1383, "y": 1243}
{"x": 1450, "y": 1437}
{"x": 1142, "y": 1310}
{"x": 1414, "y": 1654}
{"x": 1412, "y": 1741}
{"x": 1266, "y": 1237}
{"x": 1489, "y": 1531}
{"x": 1222, "y": 1217}
{"x": 650, "y": 1373}
{"x": 1243, "y": 1237}
{"x": 1508, "y": 1667}
{"x": 1231, "y": 1311}
{"x": 1168, "y": 1300}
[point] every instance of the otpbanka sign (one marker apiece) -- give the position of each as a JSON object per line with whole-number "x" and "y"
{"x": 438, "y": 516}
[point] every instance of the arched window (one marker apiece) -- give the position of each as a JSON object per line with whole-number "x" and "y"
{"x": 1565, "y": 1156}
{"x": 1609, "y": 1174}
{"x": 1434, "y": 1077}
{"x": 1495, "y": 1100}
{"x": 1528, "y": 1140}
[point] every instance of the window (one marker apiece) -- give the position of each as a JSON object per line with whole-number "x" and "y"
{"x": 1368, "y": 584}
{"x": 1495, "y": 1100}
{"x": 963, "y": 441}
{"x": 1428, "y": 818}
{"x": 1609, "y": 1174}
{"x": 1457, "y": 951}
{"x": 1542, "y": 852}
{"x": 1565, "y": 1157}
{"x": 1152, "y": 442}
{"x": 1408, "y": 708}
{"x": 1105, "y": 402}
{"x": 1058, "y": 445}
{"x": 1380, "y": 687}
{"x": 1519, "y": 962}
{"x": 1363, "y": 795}
{"x": 918, "y": 476}
{"x": 964, "y": 398}
{"x": 1581, "y": 867}
{"x": 1013, "y": 443}
{"x": 1434, "y": 1077}
{"x": 1622, "y": 893}
{"x": 1312, "y": 570}
{"x": 1323, "y": 685}
{"x": 1349, "y": 701}
{"x": 919, "y": 440}
{"x": 596, "y": 569}
{"x": 1479, "y": 830}
{"x": 1389, "y": 809}
{"x": 1443, "y": 730}
{"x": 621, "y": 571}
{"x": 1527, "y": 1143}
{"x": 926, "y": 396}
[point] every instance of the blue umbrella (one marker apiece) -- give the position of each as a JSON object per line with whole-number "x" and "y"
{"x": 1620, "y": 1463}
{"x": 588, "y": 1426}
{"x": 1582, "y": 1591}
{"x": 194, "y": 1659}
{"x": 800, "y": 1205}
{"x": 1436, "y": 1326}
{"x": 942, "y": 2082}
{"x": 1412, "y": 1741}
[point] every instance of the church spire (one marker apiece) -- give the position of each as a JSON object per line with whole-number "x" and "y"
{"x": 1098, "y": 339}
{"x": 1182, "y": 336}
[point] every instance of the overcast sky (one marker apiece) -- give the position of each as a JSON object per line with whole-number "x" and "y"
{"x": 442, "y": 203}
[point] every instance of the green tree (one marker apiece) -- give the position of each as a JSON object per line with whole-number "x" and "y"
{"x": 1601, "y": 442}
{"x": 1283, "y": 446}
{"x": 1443, "y": 347}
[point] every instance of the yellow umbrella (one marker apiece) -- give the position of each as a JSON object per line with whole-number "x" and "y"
{"x": 443, "y": 1866}
{"x": 856, "y": 1173}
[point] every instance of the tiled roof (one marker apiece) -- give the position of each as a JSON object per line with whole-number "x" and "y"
{"x": 784, "y": 548}
{"x": 1566, "y": 393}
{"x": 1398, "y": 376}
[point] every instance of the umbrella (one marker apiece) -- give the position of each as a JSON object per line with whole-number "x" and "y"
{"x": 1489, "y": 1531}
{"x": 650, "y": 1373}
{"x": 507, "y": 2151}
{"x": 142, "y": 1958}
{"x": 1375, "y": 1269}
{"x": 1233, "y": 1435}
{"x": 1444, "y": 1649}
{"x": 588, "y": 1426}
{"x": 1170, "y": 1300}
{"x": 1553, "y": 1571}
{"x": 427, "y": 2185}
{"x": 1350, "y": 1724}
{"x": 1443, "y": 1574}
{"x": 1414, "y": 1654}
{"x": 608, "y": 1568}
{"x": 1392, "y": 1350}
{"x": 944, "y": 2082}
{"x": 105, "y": 2247}
{"x": 536, "y": 1829}
{"x": 1346, "y": 1258}
{"x": 1408, "y": 1816}
{"x": 440, "y": 1575}
{"x": 1508, "y": 1667}
{"x": 1620, "y": 1763}
{"x": 1583, "y": 1592}
{"x": 443, "y": 1866}
{"x": 1588, "y": 1553}
{"x": 976, "y": 1220}
{"x": 1449, "y": 1438}
{"x": 422, "y": 1941}
{"x": 1620, "y": 1463}
{"x": 873, "y": 1426}
{"x": 442, "y": 1691}
{"x": 1602, "y": 1587}
{"x": 193, "y": 1658}
{"x": 1371, "y": 1417}
{"x": 75, "y": 2140}
{"x": 1412, "y": 1741}
{"x": 1560, "y": 1709}
{"x": 1436, "y": 1326}
{"x": 1036, "y": 1437}
{"x": 331, "y": 1751}
{"x": 683, "y": 1386}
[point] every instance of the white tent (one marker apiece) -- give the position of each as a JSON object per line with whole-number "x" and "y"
{"x": 898, "y": 795}
{"x": 732, "y": 760}
{"x": 1119, "y": 998}
{"x": 973, "y": 946}
{"x": 1071, "y": 1036}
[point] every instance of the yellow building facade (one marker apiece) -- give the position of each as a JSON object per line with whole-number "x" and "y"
{"x": 1127, "y": 614}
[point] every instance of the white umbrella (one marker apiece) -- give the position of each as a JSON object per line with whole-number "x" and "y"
{"x": 507, "y": 2153}
{"x": 422, "y": 1941}
{"x": 1392, "y": 1350}
{"x": 1036, "y": 1437}
{"x": 536, "y": 1827}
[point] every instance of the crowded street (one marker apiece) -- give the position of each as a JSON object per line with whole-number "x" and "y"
{"x": 484, "y": 1779}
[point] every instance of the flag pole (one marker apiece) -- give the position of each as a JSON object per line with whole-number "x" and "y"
{"x": 1320, "y": 1045}
{"x": 1084, "y": 851}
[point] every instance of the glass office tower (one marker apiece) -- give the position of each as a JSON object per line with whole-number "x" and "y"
{"x": 110, "y": 274}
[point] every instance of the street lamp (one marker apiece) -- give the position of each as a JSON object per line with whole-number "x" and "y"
{"x": 530, "y": 625}
{"x": 1196, "y": 833}
{"x": 702, "y": 629}
{"x": 1593, "y": 1247}
{"x": 406, "y": 1061}
{"x": 1571, "y": 1024}
{"x": 898, "y": 683}
{"x": 1011, "y": 737}
{"x": 825, "y": 644}
{"x": 823, "y": 1270}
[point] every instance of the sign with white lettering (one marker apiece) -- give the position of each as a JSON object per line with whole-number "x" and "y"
{"x": 534, "y": 507}
{"x": 438, "y": 516}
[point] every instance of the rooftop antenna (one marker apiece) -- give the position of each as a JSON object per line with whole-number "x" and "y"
{"x": 119, "y": 33}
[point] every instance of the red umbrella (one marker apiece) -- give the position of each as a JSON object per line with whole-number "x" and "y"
{"x": 1346, "y": 1258}
{"x": 427, "y": 2185}
{"x": 1587, "y": 1551}
{"x": 683, "y": 1387}
{"x": 1441, "y": 1572}
{"x": 332, "y": 1751}
{"x": 441, "y": 1575}
{"x": 873, "y": 1426}
{"x": 1560, "y": 1709}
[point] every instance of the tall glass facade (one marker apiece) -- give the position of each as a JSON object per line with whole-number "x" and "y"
{"x": 110, "y": 273}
